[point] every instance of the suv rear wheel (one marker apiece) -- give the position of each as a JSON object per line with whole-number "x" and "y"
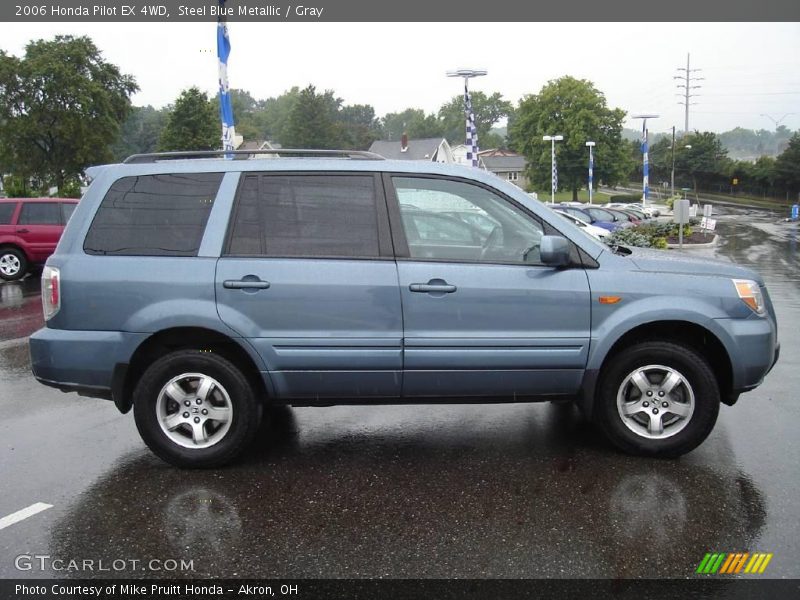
{"x": 657, "y": 399}
{"x": 13, "y": 264}
{"x": 195, "y": 409}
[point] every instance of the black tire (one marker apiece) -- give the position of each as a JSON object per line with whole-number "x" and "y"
{"x": 19, "y": 255}
{"x": 246, "y": 409}
{"x": 699, "y": 379}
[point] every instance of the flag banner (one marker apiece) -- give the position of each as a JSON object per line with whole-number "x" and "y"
{"x": 645, "y": 165}
{"x": 555, "y": 175}
{"x": 225, "y": 106}
{"x": 472, "y": 132}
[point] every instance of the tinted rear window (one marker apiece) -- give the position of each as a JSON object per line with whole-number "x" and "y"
{"x": 40, "y": 213}
{"x": 306, "y": 215}
{"x": 153, "y": 215}
{"x": 6, "y": 212}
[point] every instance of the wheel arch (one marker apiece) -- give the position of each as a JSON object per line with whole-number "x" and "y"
{"x": 15, "y": 246}
{"x": 692, "y": 334}
{"x": 165, "y": 341}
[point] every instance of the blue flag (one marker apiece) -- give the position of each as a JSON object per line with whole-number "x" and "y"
{"x": 225, "y": 106}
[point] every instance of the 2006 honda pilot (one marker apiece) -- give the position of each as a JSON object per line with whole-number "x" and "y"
{"x": 198, "y": 289}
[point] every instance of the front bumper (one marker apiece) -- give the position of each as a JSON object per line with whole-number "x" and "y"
{"x": 753, "y": 350}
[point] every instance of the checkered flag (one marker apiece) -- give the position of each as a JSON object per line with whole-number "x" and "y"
{"x": 555, "y": 175}
{"x": 472, "y": 132}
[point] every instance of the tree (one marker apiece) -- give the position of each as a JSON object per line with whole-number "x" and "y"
{"x": 140, "y": 132}
{"x": 271, "y": 116}
{"x": 488, "y": 111}
{"x": 312, "y": 121}
{"x": 412, "y": 121}
{"x": 61, "y": 109}
{"x": 706, "y": 162}
{"x": 192, "y": 124}
{"x": 358, "y": 126}
{"x": 244, "y": 113}
{"x": 787, "y": 166}
{"x": 575, "y": 109}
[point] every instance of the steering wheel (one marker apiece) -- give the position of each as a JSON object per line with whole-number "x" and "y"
{"x": 494, "y": 239}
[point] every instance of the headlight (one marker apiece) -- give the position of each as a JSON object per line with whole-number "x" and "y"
{"x": 750, "y": 294}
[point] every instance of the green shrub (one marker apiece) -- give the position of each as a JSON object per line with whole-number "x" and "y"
{"x": 649, "y": 235}
{"x": 629, "y": 237}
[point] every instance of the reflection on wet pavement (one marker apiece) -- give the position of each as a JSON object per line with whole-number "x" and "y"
{"x": 514, "y": 491}
{"x": 20, "y": 308}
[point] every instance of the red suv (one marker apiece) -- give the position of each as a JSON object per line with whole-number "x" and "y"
{"x": 29, "y": 231}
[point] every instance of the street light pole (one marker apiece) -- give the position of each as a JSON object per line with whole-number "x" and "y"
{"x": 471, "y": 137}
{"x": 591, "y": 168}
{"x": 645, "y": 158}
{"x": 552, "y": 139}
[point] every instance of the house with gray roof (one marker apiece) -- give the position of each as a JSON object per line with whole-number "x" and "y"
{"x": 428, "y": 149}
{"x": 506, "y": 165}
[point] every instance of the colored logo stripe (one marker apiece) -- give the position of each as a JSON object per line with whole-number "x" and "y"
{"x": 733, "y": 562}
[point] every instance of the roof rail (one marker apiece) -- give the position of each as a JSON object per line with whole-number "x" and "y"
{"x": 245, "y": 154}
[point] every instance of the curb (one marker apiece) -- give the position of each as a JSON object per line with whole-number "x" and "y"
{"x": 713, "y": 242}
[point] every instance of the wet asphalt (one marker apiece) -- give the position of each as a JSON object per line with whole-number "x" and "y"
{"x": 411, "y": 491}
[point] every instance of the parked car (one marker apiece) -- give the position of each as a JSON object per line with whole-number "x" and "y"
{"x": 197, "y": 292}
{"x": 477, "y": 219}
{"x": 623, "y": 216}
{"x": 649, "y": 211}
{"x": 598, "y": 232}
{"x": 584, "y": 216}
{"x": 29, "y": 231}
{"x": 632, "y": 210}
{"x": 607, "y": 214}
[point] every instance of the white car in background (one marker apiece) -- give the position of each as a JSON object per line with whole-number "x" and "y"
{"x": 649, "y": 210}
{"x": 596, "y": 232}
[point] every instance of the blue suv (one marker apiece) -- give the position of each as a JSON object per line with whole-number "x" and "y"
{"x": 199, "y": 289}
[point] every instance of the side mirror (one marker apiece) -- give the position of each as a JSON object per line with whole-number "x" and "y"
{"x": 554, "y": 250}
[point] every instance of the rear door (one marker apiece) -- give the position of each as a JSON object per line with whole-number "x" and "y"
{"x": 40, "y": 226}
{"x": 308, "y": 277}
{"x": 484, "y": 317}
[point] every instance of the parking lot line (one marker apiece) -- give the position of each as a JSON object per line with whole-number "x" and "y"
{"x": 23, "y": 514}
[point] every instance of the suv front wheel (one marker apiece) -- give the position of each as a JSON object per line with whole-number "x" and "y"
{"x": 657, "y": 399}
{"x": 195, "y": 409}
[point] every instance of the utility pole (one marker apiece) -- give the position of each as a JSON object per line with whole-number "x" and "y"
{"x": 672, "y": 177}
{"x": 688, "y": 79}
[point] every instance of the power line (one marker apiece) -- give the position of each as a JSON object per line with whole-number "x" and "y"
{"x": 688, "y": 79}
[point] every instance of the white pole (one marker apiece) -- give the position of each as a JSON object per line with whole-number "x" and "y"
{"x": 552, "y": 168}
{"x": 591, "y": 169}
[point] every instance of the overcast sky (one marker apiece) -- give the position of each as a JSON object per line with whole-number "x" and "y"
{"x": 749, "y": 69}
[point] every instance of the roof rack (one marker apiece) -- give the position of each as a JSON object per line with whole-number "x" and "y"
{"x": 245, "y": 154}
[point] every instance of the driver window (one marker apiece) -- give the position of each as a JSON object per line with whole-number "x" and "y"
{"x": 452, "y": 220}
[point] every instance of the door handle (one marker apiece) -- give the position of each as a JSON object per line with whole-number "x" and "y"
{"x": 440, "y": 288}
{"x": 23, "y": 231}
{"x": 245, "y": 284}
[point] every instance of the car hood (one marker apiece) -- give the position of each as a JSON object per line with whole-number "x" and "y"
{"x": 675, "y": 262}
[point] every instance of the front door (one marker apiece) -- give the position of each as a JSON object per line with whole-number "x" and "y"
{"x": 482, "y": 315}
{"x": 309, "y": 278}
